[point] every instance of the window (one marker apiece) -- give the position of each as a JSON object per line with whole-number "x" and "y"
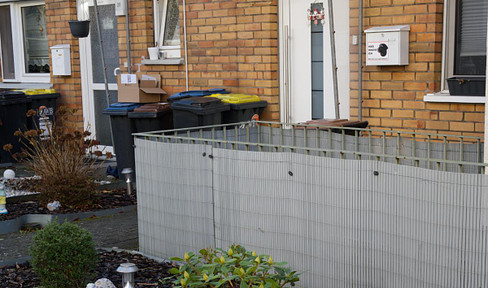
{"x": 36, "y": 52}
{"x": 23, "y": 39}
{"x": 167, "y": 27}
{"x": 6, "y": 45}
{"x": 465, "y": 23}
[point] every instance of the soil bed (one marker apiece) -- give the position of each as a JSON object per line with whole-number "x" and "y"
{"x": 149, "y": 274}
{"x": 102, "y": 199}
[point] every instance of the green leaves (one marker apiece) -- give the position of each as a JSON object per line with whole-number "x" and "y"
{"x": 63, "y": 255}
{"x": 232, "y": 268}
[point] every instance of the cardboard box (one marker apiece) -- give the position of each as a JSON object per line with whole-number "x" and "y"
{"x": 140, "y": 88}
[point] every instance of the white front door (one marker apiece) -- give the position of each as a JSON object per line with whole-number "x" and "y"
{"x": 306, "y": 89}
{"x": 93, "y": 87}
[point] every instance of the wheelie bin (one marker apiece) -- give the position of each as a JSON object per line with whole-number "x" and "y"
{"x": 13, "y": 107}
{"x": 122, "y": 129}
{"x": 152, "y": 117}
{"x": 242, "y": 107}
{"x": 198, "y": 111}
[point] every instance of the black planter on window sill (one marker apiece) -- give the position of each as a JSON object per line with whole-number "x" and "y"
{"x": 79, "y": 29}
{"x": 467, "y": 85}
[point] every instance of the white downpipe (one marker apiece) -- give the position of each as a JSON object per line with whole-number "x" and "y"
{"x": 185, "y": 43}
{"x": 485, "y": 154}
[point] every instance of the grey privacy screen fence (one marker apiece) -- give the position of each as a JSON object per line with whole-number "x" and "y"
{"x": 348, "y": 207}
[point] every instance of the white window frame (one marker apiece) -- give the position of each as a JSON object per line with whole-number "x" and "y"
{"x": 18, "y": 45}
{"x": 448, "y": 43}
{"x": 160, "y": 11}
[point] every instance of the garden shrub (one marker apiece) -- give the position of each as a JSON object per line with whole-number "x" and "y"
{"x": 65, "y": 160}
{"x": 63, "y": 255}
{"x": 231, "y": 269}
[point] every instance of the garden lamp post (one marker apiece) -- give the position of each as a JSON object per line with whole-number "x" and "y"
{"x": 127, "y": 172}
{"x": 128, "y": 270}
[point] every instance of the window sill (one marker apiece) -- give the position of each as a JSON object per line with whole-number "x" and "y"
{"x": 446, "y": 98}
{"x": 7, "y": 85}
{"x": 168, "y": 61}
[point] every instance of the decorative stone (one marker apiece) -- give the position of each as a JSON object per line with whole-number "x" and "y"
{"x": 101, "y": 283}
{"x": 53, "y": 206}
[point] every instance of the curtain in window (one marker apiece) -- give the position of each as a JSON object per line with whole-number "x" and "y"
{"x": 172, "y": 25}
{"x": 169, "y": 28}
{"x": 8, "y": 69}
{"x": 36, "y": 51}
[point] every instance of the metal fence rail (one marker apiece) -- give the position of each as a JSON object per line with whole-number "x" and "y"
{"x": 441, "y": 152}
{"x": 342, "y": 222}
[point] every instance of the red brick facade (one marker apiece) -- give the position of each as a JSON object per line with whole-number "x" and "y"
{"x": 234, "y": 44}
{"x": 393, "y": 96}
{"x": 58, "y": 12}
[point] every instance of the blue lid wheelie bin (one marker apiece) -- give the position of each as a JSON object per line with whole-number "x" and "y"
{"x": 122, "y": 129}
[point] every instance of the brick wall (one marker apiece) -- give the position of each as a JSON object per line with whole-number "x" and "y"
{"x": 58, "y": 12}
{"x": 393, "y": 96}
{"x": 231, "y": 44}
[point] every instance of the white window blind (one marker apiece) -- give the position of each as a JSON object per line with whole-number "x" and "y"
{"x": 472, "y": 27}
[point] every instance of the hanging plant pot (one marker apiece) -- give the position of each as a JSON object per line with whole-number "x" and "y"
{"x": 79, "y": 29}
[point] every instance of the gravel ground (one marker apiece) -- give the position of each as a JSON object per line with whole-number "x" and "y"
{"x": 118, "y": 230}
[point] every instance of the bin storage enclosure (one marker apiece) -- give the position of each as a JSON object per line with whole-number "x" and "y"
{"x": 347, "y": 211}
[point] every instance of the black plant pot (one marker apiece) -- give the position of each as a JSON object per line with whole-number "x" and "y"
{"x": 79, "y": 29}
{"x": 467, "y": 85}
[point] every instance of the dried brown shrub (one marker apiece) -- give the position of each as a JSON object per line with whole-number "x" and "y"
{"x": 66, "y": 161}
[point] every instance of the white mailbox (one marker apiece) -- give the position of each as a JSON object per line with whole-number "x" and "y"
{"x": 61, "y": 60}
{"x": 387, "y": 45}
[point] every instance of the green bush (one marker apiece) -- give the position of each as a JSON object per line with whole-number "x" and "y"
{"x": 63, "y": 255}
{"x": 231, "y": 269}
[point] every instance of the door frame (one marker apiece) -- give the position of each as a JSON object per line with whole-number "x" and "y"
{"x": 86, "y": 70}
{"x": 343, "y": 62}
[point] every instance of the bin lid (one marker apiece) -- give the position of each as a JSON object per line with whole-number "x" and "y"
{"x": 236, "y": 98}
{"x": 249, "y": 105}
{"x": 199, "y": 102}
{"x": 120, "y": 109}
{"x": 37, "y": 91}
{"x": 201, "y": 105}
{"x": 196, "y": 93}
{"x": 9, "y": 97}
{"x": 152, "y": 107}
{"x": 153, "y": 110}
{"x": 335, "y": 123}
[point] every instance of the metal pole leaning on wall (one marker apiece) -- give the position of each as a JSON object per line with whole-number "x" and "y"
{"x": 360, "y": 62}
{"x": 334, "y": 59}
{"x": 127, "y": 31}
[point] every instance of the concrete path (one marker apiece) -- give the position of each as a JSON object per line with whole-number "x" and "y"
{"x": 118, "y": 230}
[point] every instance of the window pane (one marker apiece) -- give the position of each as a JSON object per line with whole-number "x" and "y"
{"x": 471, "y": 37}
{"x": 35, "y": 39}
{"x": 108, "y": 29}
{"x": 7, "y": 49}
{"x": 172, "y": 25}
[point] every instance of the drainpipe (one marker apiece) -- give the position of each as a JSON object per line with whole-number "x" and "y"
{"x": 186, "y": 44}
{"x": 360, "y": 64}
{"x": 485, "y": 150}
{"x": 127, "y": 31}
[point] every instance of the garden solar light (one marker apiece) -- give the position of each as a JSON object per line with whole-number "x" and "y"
{"x": 9, "y": 174}
{"x": 127, "y": 172}
{"x": 128, "y": 270}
